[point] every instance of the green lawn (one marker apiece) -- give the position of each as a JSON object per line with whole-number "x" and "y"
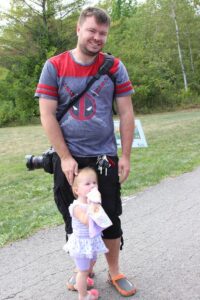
{"x": 26, "y": 202}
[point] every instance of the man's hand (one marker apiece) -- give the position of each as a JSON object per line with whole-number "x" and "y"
{"x": 123, "y": 168}
{"x": 70, "y": 168}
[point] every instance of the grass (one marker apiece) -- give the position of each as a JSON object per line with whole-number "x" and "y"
{"x": 26, "y": 201}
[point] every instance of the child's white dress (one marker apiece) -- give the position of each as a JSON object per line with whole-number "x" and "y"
{"x": 80, "y": 245}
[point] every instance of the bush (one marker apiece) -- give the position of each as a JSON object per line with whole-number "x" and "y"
{"x": 187, "y": 98}
{"x": 7, "y": 114}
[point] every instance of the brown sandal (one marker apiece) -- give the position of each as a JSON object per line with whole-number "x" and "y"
{"x": 122, "y": 285}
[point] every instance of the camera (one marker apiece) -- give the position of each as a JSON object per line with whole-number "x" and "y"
{"x": 44, "y": 161}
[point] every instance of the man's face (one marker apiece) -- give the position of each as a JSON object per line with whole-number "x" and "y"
{"x": 91, "y": 36}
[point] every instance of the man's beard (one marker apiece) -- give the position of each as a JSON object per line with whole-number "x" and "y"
{"x": 88, "y": 52}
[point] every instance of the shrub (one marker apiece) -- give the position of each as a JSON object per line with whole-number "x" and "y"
{"x": 7, "y": 114}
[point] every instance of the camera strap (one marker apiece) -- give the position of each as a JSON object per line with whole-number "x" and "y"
{"x": 104, "y": 69}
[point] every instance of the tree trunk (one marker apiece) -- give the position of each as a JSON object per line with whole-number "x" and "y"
{"x": 179, "y": 48}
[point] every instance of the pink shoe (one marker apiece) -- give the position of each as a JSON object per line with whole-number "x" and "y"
{"x": 90, "y": 282}
{"x": 93, "y": 294}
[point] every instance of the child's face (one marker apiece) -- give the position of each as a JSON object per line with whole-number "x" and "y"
{"x": 86, "y": 182}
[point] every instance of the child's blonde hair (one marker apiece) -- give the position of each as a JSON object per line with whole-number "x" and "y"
{"x": 81, "y": 172}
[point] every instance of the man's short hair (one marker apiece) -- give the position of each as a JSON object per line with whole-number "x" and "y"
{"x": 99, "y": 14}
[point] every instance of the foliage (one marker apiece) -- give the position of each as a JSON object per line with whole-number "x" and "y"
{"x": 147, "y": 44}
{"x": 157, "y": 40}
{"x": 33, "y": 32}
{"x": 122, "y": 8}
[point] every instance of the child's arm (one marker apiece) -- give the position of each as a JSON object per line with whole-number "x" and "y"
{"x": 81, "y": 215}
{"x": 94, "y": 208}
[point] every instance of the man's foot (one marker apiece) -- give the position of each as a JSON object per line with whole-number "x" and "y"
{"x": 122, "y": 285}
{"x": 71, "y": 283}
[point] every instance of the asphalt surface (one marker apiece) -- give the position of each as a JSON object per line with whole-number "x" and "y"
{"x": 161, "y": 253}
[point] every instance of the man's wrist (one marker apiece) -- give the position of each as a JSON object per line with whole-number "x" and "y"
{"x": 126, "y": 156}
{"x": 64, "y": 155}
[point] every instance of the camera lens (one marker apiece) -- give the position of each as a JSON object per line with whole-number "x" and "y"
{"x": 34, "y": 162}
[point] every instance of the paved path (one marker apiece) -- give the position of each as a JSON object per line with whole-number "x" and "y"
{"x": 161, "y": 253}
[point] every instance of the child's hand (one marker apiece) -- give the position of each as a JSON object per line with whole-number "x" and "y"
{"x": 94, "y": 196}
{"x": 94, "y": 208}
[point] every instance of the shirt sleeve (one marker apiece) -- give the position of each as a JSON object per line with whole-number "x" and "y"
{"x": 47, "y": 86}
{"x": 123, "y": 86}
{"x": 72, "y": 206}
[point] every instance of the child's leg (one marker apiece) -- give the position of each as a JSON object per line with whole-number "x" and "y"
{"x": 92, "y": 263}
{"x": 81, "y": 284}
{"x": 83, "y": 265}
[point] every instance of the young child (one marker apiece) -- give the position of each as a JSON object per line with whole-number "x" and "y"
{"x": 81, "y": 246}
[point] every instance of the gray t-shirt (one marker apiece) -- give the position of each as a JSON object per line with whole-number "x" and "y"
{"x": 88, "y": 126}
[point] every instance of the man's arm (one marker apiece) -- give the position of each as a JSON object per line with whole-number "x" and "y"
{"x": 55, "y": 136}
{"x": 127, "y": 125}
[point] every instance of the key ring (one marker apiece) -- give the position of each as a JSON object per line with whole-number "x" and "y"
{"x": 103, "y": 164}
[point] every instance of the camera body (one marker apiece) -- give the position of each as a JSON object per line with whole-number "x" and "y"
{"x": 44, "y": 161}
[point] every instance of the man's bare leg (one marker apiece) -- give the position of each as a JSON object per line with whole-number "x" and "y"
{"x": 119, "y": 281}
{"x": 112, "y": 256}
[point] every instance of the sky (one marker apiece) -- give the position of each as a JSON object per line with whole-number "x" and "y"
{"x": 4, "y": 4}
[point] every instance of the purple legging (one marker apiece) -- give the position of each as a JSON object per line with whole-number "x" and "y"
{"x": 83, "y": 263}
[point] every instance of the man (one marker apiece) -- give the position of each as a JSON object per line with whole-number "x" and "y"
{"x": 85, "y": 134}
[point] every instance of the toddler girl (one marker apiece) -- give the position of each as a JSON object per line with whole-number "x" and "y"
{"x": 81, "y": 246}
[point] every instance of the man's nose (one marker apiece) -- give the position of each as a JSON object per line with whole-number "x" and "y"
{"x": 97, "y": 36}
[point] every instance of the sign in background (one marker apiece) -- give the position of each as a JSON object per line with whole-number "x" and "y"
{"x": 139, "y": 137}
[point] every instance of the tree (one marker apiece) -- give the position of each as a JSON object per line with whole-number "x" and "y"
{"x": 34, "y": 30}
{"x": 173, "y": 11}
{"x": 122, "y": 8}
{"x": 147, "y": 43}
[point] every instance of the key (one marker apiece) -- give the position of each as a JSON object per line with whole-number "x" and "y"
{"x": 106, "y": 171}
{"x": 100, "y": 169}
{"x": 103, "y": 164}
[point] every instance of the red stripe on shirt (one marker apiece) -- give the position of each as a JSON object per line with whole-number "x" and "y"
{"x": 115, "y": 66}
{"x": 119, "y": 86}
{"x": 48, "y": 87}
{"x": 45, "y": 92}
{"x": 66, "y": 67}
{"x": 124, "y": 90}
